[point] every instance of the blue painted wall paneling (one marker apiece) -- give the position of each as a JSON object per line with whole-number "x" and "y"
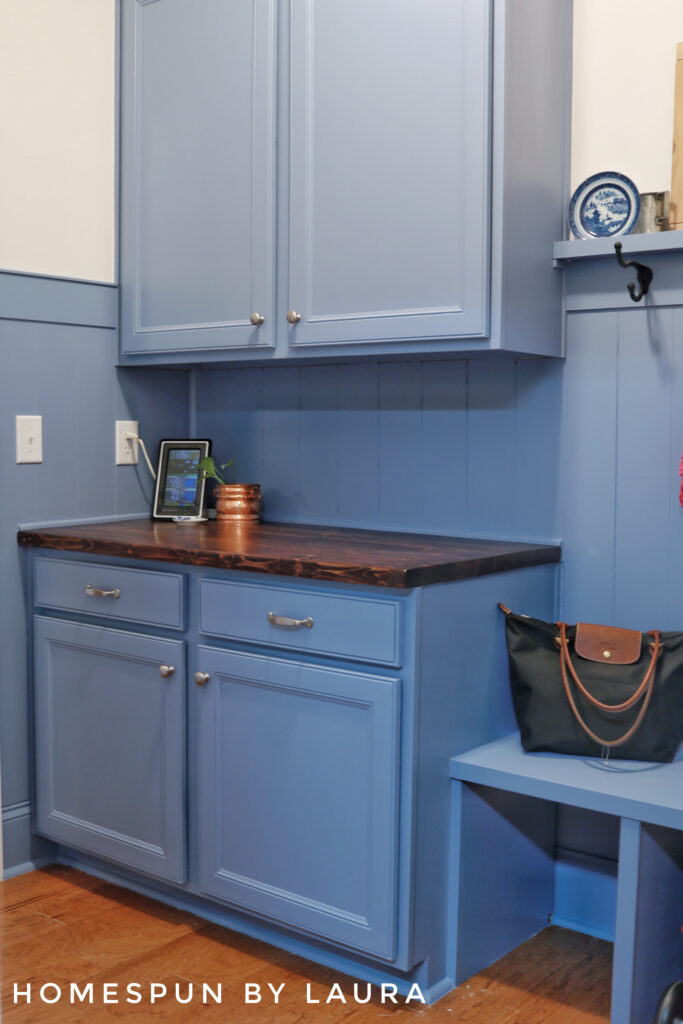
{"x": 589, "y": 468}
{"x": 61, "y": 365}
{"x": 453, "y": 446}
{"x": 57, "y": 300}
{"x": 622, "y": 439}
{"x": 319, "y": 421}
{"x": 491, "y": 438}
{"x": 622, "y": 435}
{"x": 358, "y": 444}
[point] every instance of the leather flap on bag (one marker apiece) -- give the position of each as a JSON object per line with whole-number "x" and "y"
{"x": 608, "y": 644}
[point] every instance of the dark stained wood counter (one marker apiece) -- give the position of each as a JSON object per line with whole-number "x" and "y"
{"x": 315, "y": 552}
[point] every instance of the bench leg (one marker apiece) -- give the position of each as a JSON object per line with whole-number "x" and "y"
{"x": 503, "y": 874}
{"x": 648, "y": 945}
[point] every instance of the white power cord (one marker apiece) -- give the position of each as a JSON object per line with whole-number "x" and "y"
{"x": 141, "y": 443}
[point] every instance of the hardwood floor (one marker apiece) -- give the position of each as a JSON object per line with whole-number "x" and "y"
{"x": 60, "y": 926}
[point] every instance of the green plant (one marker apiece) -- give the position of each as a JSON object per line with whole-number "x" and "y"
{"x": 210, "y": 470}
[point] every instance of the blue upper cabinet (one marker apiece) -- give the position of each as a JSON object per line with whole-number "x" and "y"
{"x": 389, "y": 171}
{"x": 419, "y": 182}
{"x": 198, "y": 175}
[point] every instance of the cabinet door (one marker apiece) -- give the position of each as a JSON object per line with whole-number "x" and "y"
{"x": 389, "y": 170}
{"x": 110, "y": 744}
{"x": 299, "y": 795}
{"x": 198, "y": 145}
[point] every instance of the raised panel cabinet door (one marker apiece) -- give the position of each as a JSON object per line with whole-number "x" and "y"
{"x": 110, "y": 744}
{"x": 389, "y": 170}
{"x": 299, "y": 795}
{"x": 198, "y": 175}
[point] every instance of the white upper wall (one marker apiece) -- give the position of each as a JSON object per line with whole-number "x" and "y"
{"x": 623, "y": 101}
{"x": 57, "y": 119}
{"x": 57, "y": 138}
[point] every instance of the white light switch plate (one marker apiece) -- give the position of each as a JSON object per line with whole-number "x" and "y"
{"x": 29, "y": 438}
{"x": 126, "y": 451}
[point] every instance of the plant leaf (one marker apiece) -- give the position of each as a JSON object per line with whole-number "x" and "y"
{"x": 208, "y": 468}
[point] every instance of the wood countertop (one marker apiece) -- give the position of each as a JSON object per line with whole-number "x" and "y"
{"x": 293, "y": 549}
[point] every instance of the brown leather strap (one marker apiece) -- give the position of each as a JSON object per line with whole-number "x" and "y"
{"x": 646, "y": 688}
{"x": 634, "y": 698}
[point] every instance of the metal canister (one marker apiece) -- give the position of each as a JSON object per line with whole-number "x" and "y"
{"x": 654, "y": 213}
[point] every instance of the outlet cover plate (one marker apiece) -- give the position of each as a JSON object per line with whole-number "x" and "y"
{"x": 126, "y": 451}
{"x": 29, "y": 431}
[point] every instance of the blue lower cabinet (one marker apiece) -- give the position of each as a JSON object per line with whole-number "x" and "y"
{"x": 110, "y": 744}
{"x": 298, "y": 784}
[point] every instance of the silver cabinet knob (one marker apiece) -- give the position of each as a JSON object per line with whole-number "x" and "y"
{"x": 201, "y": 677}
{"x": 257, "y": 319}
{"x": 166, "y": 670}
{"x": 96, "y": 592}
{"x": 293, "y": 317}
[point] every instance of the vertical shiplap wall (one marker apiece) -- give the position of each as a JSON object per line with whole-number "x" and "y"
{"x": 623, "y": 434}
{"x": 64, "y": 370}
{"x": 452, "y": 446}
{"x": 619, "y": 515}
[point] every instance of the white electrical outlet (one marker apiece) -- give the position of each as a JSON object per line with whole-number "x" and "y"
{"x": 126, "y": 449}
{"x": 29, "y": 438}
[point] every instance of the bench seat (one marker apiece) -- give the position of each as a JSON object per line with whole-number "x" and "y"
{"x": 628, "y": 789}
{"x": 504, "y": 804}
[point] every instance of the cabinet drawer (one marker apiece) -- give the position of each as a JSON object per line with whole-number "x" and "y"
{"x": 154, "y": 598}
{"x": 358, "y": 628}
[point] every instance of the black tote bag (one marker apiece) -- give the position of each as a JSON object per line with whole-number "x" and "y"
{"x": 596, "y": 690}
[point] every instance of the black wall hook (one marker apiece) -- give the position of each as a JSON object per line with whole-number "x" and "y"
{"x": 645, "y": 275}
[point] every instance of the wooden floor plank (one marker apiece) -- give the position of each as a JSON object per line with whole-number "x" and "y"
{"x": 62, "y": 926}
{"x": 37, "y": 885}
{"x": 95, "y": 921}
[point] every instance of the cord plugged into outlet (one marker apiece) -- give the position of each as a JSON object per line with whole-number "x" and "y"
{"x": 128, "y": 441}
{"x": 126, "y": 449}
{"x": 135, "y": 440}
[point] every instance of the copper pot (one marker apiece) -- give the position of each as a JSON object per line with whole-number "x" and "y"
{"x": 238, "y": 503}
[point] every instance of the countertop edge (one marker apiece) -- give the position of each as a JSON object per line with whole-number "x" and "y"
{"x": 319, "y": 569}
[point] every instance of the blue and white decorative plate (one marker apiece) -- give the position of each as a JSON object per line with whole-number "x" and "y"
{"x": 604, "y": 205}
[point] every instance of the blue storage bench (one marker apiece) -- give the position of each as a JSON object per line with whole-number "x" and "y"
{"x": 504, "y": 804}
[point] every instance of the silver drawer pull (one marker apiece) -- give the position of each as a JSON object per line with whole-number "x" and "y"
{"x": 94, "y": 592}
{"x": 201, "y": 678}
{"x": 166, "y": 670}
{"x": 280, "y": 620}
